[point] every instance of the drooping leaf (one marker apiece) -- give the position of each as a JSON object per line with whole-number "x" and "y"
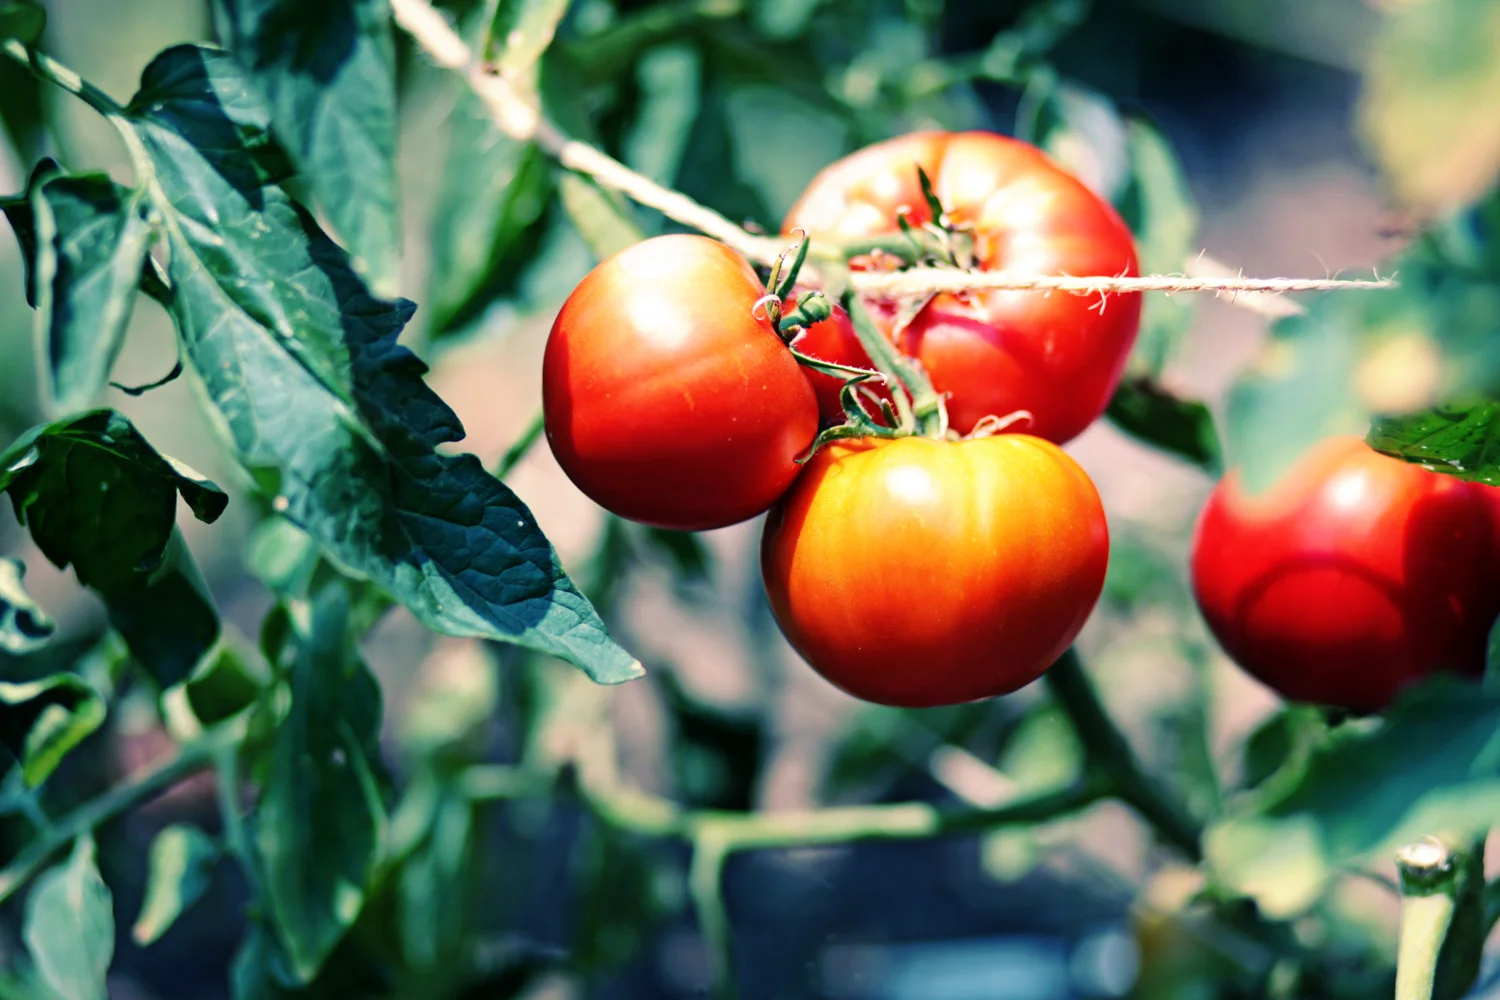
{"x": 1457, "y": 440}
{"x": 24, "y": 626}
{"x": 1431, "y": 85}
{"x": 1184, "y": 427}
{"x": 42, "y": 721}
{"x": 322, "y": 405}
{"x": 494, "y": 191}
{"x": 22, "y": 20}
{"x": 1430, "y": 767}
{"x": 320, "y": 820}
{"x": 91, "y": 243}
{"x": 327, "y": 71}
{"x": 96, "y": 495}
{"x": 1159, "y": 209}
{"x": 70, "y": 926}
{"x": 22, "y": 218}
{"x": 179, "y": 870}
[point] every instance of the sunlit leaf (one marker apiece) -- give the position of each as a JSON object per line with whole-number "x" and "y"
{"x": 70, "y": 926}
{"x": 322, "y": 405}
{"x": 1458, "y": 440}
{"x": 180, "y": 868}
{"x": 327, "y": 70}
{"x": 24, "y": 626}
{"x": 41, "y": 721}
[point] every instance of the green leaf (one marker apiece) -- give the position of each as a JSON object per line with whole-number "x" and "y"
{"x": 24, "y": 626}
{"x": 1457, "y": 440}
{"x": 668, "y": 79}
{"x": 532, "y": 24}
{"x": 321, "y": 404}
{"x": 180, "y": 869}
{"x": 91, "y": 244}
{"x": 95, "y": 494}
{"x": 328, "y": 72}
{"x": 42, "y": 721}
{"x": 1159, "y": 209}
{"x": 23, "y": 110}
{"x": 21, "y": 215}
{"x": 227, "y": 682}
{"x": 1430, "y": 767}
{"x": 1183, "y": 427}
{"x": 437, "y": 886}
{"x": 22, "y": 20}
{"x": 494, "y": 191}
{"x": 70, "y": 926}
{"x": 321, "y": 815}
{"x": 1431, "y": 86}
{"x": 601, "y": 217}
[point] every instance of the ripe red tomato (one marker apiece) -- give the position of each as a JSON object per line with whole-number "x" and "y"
{"x": 1352, "y": 576}
{"x": 666, "y": 399}
{"x": 916, "y": 572}
{"x": 1057, "y": 355}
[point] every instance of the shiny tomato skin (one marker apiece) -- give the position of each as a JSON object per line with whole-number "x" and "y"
{"x": 665, "y": 399}
{"x": 1352, "y": 576}
{"x": 914, "y": 572}
{"x": 1058, "y": 356}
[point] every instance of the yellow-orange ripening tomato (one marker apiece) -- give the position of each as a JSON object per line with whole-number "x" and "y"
{"x": 1056, "y": 355}
{"x": 668, "y": 397}
{"x": 916, "y": 572}
{"x": 1354, "y": 575}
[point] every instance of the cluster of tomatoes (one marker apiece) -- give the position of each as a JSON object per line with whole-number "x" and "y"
{"x": 925, "y": 562}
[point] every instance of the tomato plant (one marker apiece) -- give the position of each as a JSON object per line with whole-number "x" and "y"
{"x": 1351, "y": 577}
{"x": 669, "y": 398}
{"x": 916, "y": 572}
{"x": 1058, "y": 357}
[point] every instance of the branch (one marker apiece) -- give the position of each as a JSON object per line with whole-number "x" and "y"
{"x": 518, "y": 114}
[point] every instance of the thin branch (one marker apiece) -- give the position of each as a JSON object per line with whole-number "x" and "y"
{"x": 517, "y": 113}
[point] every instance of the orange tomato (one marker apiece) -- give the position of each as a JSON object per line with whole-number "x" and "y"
{"x": 916, "y": 572}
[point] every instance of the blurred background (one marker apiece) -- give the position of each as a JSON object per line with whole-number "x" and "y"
{"x": 1269, "y": 166}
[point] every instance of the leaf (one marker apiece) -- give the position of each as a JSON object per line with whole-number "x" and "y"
{"x": 494, "y": 191}
{"x": 21, "y": 20}
{"x": 91, "y": 243}
{"x": 22, "y": 218}
{"x": 327, "y": 72}
{"x": 1431, "y": 767}
{"x": 1431, "y": 84}
{"x": 668, "y": 79}
{"x": 181, "y": 866}
{"x": 1183, "y": 427}
{"x": 437, "y": 887}
{"x": 603, "y": 220}
{"x": 23, "y": 113}
{"x": 1159, "y": 209}
{"x": 322, "y": 406}
{"x": 95, "y": 494}
{"x": 1458, "y": 440}
{"x": 321, "y": 814}
{"x": 70, "y": 926}
{"x": 532, "y": 26}
{"x": 42, "y": 721}
{"x": 226, "y": 683}
{"x": 24, "y": 626}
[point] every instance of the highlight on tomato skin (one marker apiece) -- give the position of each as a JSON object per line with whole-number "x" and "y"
{"x": 1353, "y": 576}
{"x": 668, "y": 398}
{"x": 916, "y": 573}
{"x": 1057, "y": 356}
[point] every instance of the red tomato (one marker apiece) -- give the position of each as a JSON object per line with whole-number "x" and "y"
{"x": 1352, "y": 576}
{"x": 834, "y": 340}
{"x": 916, "y": 572}
{"x": 1057, "y": 355}
{"x": 666, "y": 400}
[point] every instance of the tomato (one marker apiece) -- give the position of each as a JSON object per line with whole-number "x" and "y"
{"x": 916, "y": 572}
{"x": 1056, "y": 355}
{"x": 666, "y": 400}
{"x": 1352, "y": 576}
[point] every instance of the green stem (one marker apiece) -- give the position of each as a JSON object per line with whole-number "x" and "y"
{"x": 706, "y": 885}
{"x": 1428, "y": 886}
{"x": 100, "y": 810}
{"x": 1108, "y": 754}
{"x": 924, "y": 409}
{"x": 522, "y": 445}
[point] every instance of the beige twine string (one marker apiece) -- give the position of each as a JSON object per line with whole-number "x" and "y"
{"x": 517, "y": 114}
